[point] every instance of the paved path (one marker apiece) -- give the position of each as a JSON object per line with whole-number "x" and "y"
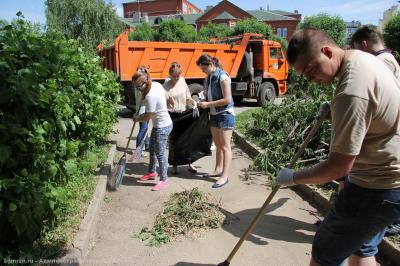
{"x": 282, "y": 237}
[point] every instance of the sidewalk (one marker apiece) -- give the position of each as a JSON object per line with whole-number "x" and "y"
{"x": 282, "y": 237}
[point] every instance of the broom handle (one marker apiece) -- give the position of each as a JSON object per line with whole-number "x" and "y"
{"x": 321, "y": 116}
{"x": 129, "y": 139}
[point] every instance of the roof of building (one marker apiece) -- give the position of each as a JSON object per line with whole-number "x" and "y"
{"x": 191, "y": 18}
{"x": 353, "y": 24}
{"x": 284, "y": 13}
{"x": 187, "y": 18}
{"x": 140, "y": 1}
{"x": 264, "y": 15}
{"x": 225, "y": 15}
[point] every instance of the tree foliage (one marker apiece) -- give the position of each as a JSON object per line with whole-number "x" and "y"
{"x": 175, "y": 30}
{"x": 334, "y": 26}
{"x": 142, "y": 32}
{"x": 392, "y": 34}
{"x": 56, "y": 103}
{"x": 89, "y": 21}
{"x": 251, "y": 25}
{"x": 212, "y": 30}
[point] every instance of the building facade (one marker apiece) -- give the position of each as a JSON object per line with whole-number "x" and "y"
{"x": 387, "y": 15}
{"x": 351, "y": 27}
{"x": 283, "y": 23}
{"x": 141, "y": 8}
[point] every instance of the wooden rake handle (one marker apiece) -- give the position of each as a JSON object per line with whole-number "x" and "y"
{"x": 129, "y": 139}
{"x": 323, "y": 113}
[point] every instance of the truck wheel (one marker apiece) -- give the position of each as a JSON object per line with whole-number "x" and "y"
{"x": 266, "y": 93}
{"x": 195, "y": 89}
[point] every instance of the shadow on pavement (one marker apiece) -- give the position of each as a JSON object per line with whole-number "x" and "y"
{"x": 274, "y": 227}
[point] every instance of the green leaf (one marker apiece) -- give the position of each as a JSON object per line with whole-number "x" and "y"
{"x": 4, "y": 154}
{"x": 12, "y": 207}
{"x": 70, "y": 166}
{"x": 24, "y": 172}
{"x": 77, "y": 120}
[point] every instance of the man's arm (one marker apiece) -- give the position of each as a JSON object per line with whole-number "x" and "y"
{"x": 336, "y": 166}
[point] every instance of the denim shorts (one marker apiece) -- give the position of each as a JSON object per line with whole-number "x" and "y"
{"x": 355, "y": 224}
{"x": 222, "y": 120}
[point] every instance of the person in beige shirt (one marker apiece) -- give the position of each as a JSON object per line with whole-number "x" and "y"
{"x": 365, "y": 146}
{"x": 370, "y": 40}
{"x": 178, "y": 98}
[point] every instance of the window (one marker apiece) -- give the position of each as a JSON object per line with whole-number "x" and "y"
{"x": 275, "y": 53}
{"x": 281, "y": 32}
{"x": 232, "y": 24}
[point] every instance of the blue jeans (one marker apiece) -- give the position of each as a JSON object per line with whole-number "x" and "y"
{"x": 222, "y": 120}
{"x": 143, "y": 126}
{"x": 355, "y": 224}
{"x": 158, "y": 145}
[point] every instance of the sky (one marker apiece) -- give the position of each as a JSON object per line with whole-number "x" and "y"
{"x": 365, "y": 11}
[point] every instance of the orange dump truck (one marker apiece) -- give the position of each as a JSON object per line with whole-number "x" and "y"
{"x": 257, "y": 67}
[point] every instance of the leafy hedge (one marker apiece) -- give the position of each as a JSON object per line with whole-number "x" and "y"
{"x": 56, "y": 104}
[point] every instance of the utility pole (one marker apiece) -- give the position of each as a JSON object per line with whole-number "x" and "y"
{"x": 138, "y": 4}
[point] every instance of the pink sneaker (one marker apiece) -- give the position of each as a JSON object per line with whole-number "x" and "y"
{"x": 161, "y": 185}
{"x": 148, "y": 176}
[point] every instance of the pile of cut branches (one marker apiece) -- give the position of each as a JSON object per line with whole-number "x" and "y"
{"x": 185, "y": 213}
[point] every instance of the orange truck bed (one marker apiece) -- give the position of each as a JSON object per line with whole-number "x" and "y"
{"x": 248, "y": 59}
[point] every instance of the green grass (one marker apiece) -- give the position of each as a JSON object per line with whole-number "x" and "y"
{"x": 55, "y": 238}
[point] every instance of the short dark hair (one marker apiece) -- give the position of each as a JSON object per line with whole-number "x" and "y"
{"x": 304, "y": 43}
{"x": 367, "y": 33}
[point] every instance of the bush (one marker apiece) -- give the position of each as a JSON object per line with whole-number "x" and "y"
{"x": 56, "y": 104}
{"x": 212, "y": 30}
{"x": 143, "y": 32}
{"x": 251, "y": 25}
{"x": 392, "y": 34}
{"x": 176, "y": 30}
{"x": 334, "y": 26}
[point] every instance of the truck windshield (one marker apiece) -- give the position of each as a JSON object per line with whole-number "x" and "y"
{"x": 275, "y": 53}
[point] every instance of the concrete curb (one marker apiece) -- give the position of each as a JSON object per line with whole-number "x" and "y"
{"x": 387, "y": 248}
{"x": 80, "y": 245}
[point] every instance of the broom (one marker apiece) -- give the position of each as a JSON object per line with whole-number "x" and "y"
{"x": 118, "y": 174}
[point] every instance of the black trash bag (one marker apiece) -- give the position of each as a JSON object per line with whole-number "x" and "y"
{"x": 190, "y": 138}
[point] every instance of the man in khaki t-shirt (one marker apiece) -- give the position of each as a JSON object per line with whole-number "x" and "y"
{"x": 365, "y": 145}
{"x": 367, "y": 95}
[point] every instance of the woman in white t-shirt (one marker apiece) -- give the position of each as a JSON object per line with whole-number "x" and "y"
{"x": 154, "y": 101}
{"x": 222, "y": 118}
{"x": 178, "y": 98}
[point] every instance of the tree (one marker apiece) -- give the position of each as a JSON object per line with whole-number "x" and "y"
{"x": 392, "y": 34}
{"x": 251, "y": 25}
{"x": 281, "y": 40}
{"x": 143, "y": 32}
{"x": 334, "y": 26}
{"x": 212, "y": 30}
{"x": 89, "y": 21}
{"x": 175, "y": 30}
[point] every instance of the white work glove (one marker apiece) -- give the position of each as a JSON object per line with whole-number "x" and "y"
{"x": 196, "y": 112}
{"x": 285, "y": 177}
